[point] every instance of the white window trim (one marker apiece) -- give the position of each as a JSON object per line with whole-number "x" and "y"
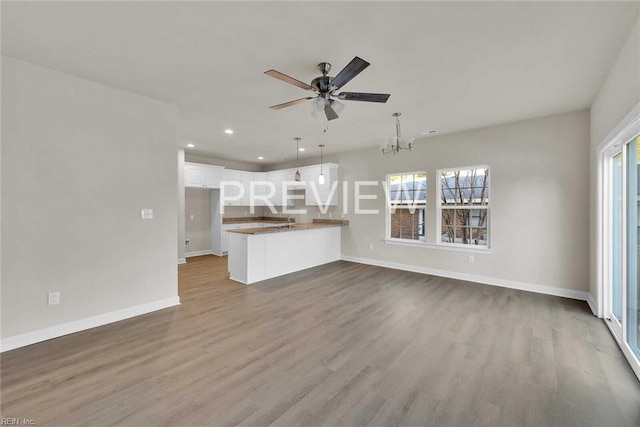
{"x": 454, "y": 247}
{"x": 389, "y": 205}
{"x": 439, "y": 208}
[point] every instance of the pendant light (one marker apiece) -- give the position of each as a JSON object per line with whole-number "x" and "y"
{"x": 321, "y": 177}
{"x": 297, "y": 175}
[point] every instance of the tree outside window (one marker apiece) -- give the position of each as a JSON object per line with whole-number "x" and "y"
{"x": 464, "y": 206}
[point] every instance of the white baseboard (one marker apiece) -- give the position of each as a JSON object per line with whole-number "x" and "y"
{"x": 182, "y": 261}
{"x": 29, "y": 338}
{"x": 540, "y": 289}
{"x": 592, "y": 304}
{"x": 197, "y": 253}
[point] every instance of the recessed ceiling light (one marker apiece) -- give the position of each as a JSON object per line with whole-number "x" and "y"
{"x": 228, "y": 131}
{"x": 260, "y": 158}
{"x": 190, "y": 145}
{"x": 300, "y": 149}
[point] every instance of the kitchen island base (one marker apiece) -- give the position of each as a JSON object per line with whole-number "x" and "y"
{"x": 257, "y": 257}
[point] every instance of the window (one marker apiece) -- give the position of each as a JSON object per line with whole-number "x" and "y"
{"x": 463, "y": 210}
{"x": 406, "y": 201}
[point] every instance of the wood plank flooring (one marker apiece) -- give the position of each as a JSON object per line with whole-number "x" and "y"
{"x": 340, "y": 344}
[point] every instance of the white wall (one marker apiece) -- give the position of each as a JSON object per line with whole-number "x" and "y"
{"x": 79, "y": 161}
{"x": 619, "y": 93}
{"x": 539, "y": 201}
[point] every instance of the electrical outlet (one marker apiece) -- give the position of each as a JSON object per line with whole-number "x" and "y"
{"x": 330, "y": 215}
{"x": 187, "y": 242}
{"x": 192, "y": 217}
{"x": 472, "y": 259}
{"x": 370, "y": 246}
{"x": 54, "y": 298}
{"x": 146, "y": 213}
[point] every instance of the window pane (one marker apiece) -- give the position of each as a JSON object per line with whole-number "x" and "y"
{"x": 465, "y": 226}
{"x": 408, "y": 224}
{"x": 394, "y": 195}
{"x": 479, "y": 236}
{"x": 478, "y": 218}
{"x": 408, "y": 188}
{"x": 465, "y": 187}
{"x": 421, "y": 187}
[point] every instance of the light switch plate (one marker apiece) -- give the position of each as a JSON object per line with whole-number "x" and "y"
{"x": 146, "y": 214}
{"x": 53, "y": 298}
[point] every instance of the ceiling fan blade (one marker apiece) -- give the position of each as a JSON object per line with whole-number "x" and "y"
{"x": 330, "y": 112}
{"x": 368, "y": 97}
{"x": 278, "y": 75}
{"x": 290, "y": 103}
{"x": 352, "y": 69}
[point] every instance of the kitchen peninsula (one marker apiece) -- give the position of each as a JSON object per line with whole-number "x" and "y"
{"x": 257, "y": 254}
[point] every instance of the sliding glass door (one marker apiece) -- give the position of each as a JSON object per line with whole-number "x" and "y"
{"x": 633, "y": 210}
{"x": 621, "y": 240}
{"x": 617, "y": 238}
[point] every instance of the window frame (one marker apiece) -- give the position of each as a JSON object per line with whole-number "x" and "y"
{"x": 389, "y": 205}
{"x": 439, "y": 209}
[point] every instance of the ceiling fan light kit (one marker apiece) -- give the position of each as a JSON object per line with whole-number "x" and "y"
{"x": 397, "y": 143}
{"x": 325, "y": 87}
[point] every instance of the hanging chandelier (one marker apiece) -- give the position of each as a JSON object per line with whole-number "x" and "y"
{"x": 397, "y": 143}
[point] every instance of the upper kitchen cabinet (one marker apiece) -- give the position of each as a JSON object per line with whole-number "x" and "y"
{"x": 234, "y": 186}
{"x": 260, "y": 187}
{"x": 197, "y": 175}
{"x": 278, "y": 178}
{"x": 208, "y": 176}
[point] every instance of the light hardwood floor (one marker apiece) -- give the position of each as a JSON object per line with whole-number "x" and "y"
{"x": 340, "y": 344}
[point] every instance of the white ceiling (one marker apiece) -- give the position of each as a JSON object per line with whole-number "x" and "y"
{"x": 448, "y": 66}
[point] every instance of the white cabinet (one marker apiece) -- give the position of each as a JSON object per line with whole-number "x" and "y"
{"x": 198, "y": 175}
{"x": 321, "y": 194}
{"x": 194, "y": 175}
{"x": 278, "y": 178}
{"x": 232, "y": 181}
{"x": 240, "y": 181}
{"x": 237, "y": 181}
{"x": 212, "y": 176}
{"x": 246, "y": 178}
{"x": 261, "y": 189}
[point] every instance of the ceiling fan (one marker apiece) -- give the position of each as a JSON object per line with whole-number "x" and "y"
{"x": 325, "y": 87}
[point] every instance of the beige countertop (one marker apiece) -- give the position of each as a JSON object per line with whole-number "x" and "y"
{"x": 294, "y": 227}
{"x": 243, "y": 219}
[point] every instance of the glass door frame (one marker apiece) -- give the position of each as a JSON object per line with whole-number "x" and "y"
{"x": 608, "y": 199}
{"x": 625, "y": 132}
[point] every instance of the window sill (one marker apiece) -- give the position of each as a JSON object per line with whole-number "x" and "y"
{"x": 445, "y": 247}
